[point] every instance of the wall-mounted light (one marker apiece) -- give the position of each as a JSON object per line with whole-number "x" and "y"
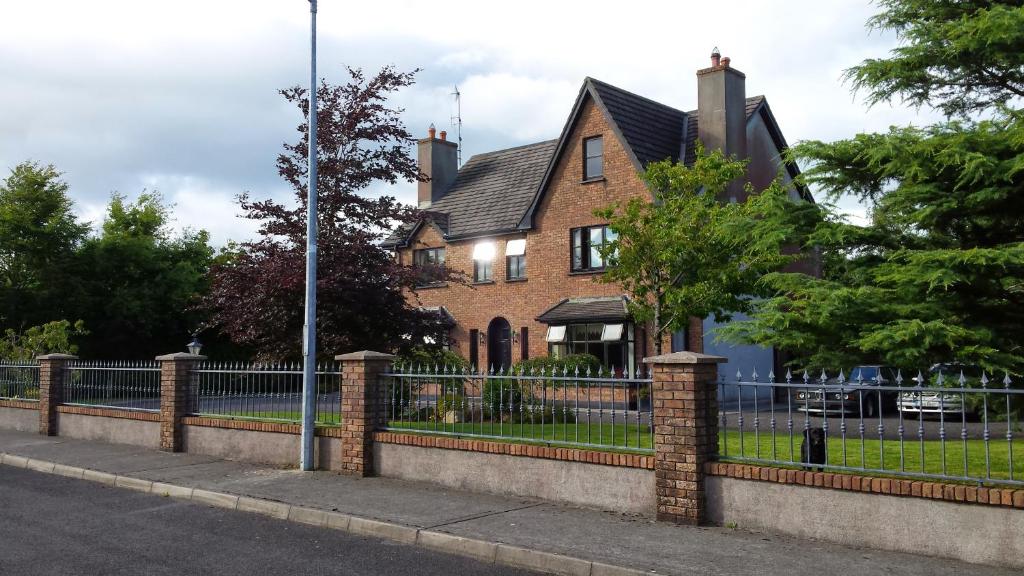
{"x": 483, "y": 337}
{"x": 515, "y": 336}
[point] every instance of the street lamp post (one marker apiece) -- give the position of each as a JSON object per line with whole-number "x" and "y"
{"x": 309, "y": 328}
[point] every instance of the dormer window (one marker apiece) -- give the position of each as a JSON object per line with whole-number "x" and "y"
{"x": 593, "y": 158}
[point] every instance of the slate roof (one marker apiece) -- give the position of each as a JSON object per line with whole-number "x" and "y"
{"x": 653, "y": 130}
{"x": 497, "y": 192}
{"x": 594, "y": 309}
{"x": 492, "y": 190}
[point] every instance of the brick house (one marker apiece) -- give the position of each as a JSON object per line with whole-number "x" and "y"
{"x": 519, "y": 222}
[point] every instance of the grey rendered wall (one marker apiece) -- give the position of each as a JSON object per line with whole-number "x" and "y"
{"x": 112, "y": 430}
{"x": 19, "y": 419}
{"x": 274, "y": 448}
{"x": 617, "y": 488}
{"x": 969, "y": 532}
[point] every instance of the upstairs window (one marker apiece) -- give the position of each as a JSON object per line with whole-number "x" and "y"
{"x": 586, "y": 247}
{"x": 483, "y": 262}
{"x": 515, "y": 259}
{"x": 430, "y": 261}
{"x": 593, "y": 158}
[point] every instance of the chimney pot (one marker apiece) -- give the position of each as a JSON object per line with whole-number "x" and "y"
{"x": 431, "y": 131}
{"x": 716, "y": 57}
{"x": 444, "y": 135}
{"x": 726, "y": 61}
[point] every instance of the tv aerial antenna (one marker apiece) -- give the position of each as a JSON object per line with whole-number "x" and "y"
{"x": 457, "y": 120}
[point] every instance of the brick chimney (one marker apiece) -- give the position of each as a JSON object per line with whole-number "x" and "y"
{"x": 439, "y": 160}
{"x": 722, "y": 112}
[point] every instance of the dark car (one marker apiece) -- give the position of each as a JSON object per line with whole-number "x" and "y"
{"x": 857, "y": 395}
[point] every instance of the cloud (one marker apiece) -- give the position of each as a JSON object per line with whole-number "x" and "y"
{"x": 182, "y": 96}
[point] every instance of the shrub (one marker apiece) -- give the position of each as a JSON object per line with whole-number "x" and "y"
{"x": 452, "y": 403}
{"x": 502, "y": 395}
{"x": 570, "y": 364}
{"x": 433, "y": 358}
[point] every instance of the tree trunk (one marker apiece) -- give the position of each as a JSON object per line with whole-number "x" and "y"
{"x": 657, "y": 327}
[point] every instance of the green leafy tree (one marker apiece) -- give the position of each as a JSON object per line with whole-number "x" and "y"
{"x": 38, "y": 235}
{"x": 58, "y": 336}
{"x": 688, "y": 254}
{"x": 938, "y": 272}
{"x": 138, "y": 282}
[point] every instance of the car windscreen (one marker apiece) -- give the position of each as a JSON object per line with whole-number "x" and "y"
{"x": 864, "y": 372}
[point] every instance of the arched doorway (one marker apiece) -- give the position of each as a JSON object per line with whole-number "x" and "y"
{"x": 499, "y": 344}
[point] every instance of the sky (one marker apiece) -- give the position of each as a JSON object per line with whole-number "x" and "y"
{"x": 181, "y": 97}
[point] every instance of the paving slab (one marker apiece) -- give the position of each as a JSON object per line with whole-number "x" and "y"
{"x": 115, "y": 458}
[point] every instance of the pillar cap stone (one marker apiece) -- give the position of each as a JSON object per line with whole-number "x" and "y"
{"x": 685, "y": 358}
{"x": 365, "y": 355}
{"x": 181, "y": 356}
{"x": 57, "y": 357}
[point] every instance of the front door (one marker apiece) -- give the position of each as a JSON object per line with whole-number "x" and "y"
{"x": 499, "y": 344}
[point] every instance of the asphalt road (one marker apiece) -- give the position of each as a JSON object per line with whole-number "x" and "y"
{"x": 55, "y": 525}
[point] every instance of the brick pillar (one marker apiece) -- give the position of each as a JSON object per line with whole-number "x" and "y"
{"x": 175, "y": 380}
{"x": 51, "y": 390}
{"x": 362, "y": 408}
{"x": 685, "y": 396}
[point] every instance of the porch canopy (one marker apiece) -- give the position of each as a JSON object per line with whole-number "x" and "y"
{"x": 605, "y": 309}
{"x": 609, "y": 314}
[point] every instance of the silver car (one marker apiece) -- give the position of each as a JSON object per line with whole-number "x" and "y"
{"x": 930, "y": 399}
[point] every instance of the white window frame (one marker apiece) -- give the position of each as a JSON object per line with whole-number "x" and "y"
{"x": 611, "y": 332}
{"x": 556, "y": 334}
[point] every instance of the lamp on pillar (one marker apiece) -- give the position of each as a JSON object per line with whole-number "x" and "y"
{"x": 195, "y": 346}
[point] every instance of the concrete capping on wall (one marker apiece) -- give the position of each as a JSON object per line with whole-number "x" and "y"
{"x": 116, "y": 430}
{"x": 109, "y": 413}
{"x": 255, "y": 443}
{"x": 19, "y": 419}
{"x": 525, "y": 450}
{"x": 258, "y": 426}
{"x": 21, "y": 404}
{"x": 959, "y": 493}
{"x": 618, "y": 488}
{"x": 928, "y": 526}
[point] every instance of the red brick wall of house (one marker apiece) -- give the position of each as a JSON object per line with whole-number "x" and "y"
{"x": 568, "y": 204}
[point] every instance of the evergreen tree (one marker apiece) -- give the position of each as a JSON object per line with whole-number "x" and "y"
{"x": 938, "y": 273}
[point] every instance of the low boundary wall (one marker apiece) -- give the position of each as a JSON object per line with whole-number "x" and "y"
{"x": 898, "y": 515}
{"x": 113, "y": 426}
{"x": 262, "y": 442}
{"x": 19, "y": 416}
{"x": 607, "y": 481}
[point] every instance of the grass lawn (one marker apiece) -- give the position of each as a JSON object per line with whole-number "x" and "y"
{"x": 886, "y": 456}
{"x": 873, "y": 455}
{"x": 623, "y": 436}
{"x": 287, "y": 416}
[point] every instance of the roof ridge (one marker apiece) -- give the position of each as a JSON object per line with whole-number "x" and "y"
{"x": 492, "y": 152}
{"x": 634, "y": 94}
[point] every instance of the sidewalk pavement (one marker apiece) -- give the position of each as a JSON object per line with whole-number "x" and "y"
{"x": 592, "y": 535}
